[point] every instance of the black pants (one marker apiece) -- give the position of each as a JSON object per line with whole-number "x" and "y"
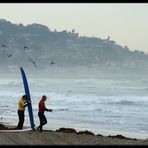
{"x": 21, "y": 119}
{"x": 42, "y": 119}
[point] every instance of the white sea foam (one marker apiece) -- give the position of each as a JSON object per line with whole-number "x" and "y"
{"x": 101, "y": 105}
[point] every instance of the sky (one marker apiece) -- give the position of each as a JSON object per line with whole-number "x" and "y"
{"x": 125, "y": 23}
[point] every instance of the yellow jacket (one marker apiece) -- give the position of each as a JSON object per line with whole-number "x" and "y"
{"x": 22, "y": 104}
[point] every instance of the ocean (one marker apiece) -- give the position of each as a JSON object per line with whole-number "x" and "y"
{"x": 102, "y": 105}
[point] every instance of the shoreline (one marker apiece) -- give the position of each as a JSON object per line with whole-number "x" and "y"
{"x": 64, "y": 136}
{"x": 103, "y": 132}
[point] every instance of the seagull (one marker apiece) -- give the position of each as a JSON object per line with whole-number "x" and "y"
{"x": 52, "y": 63}
{"x": 33, "y": 62}
{"x": 9, "y": 55}
{"x": 25, "y": 48}
{"x": 3, "y": 45}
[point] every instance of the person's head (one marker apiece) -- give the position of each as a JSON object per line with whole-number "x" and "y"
{"x": 44, "y": 97}
{"x": 24, "y": 97}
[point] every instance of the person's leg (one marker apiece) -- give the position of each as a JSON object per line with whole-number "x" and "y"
{"x": 41, "y": 118}
{"x": 21, "y": 119}
{"x": 44, "y": 120}
{"x": 19, "y": 116}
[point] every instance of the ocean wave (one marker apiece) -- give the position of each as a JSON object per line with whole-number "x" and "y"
{"x": 145, "y": 89}
{"x": 132, "y": 83}
{"x": 6, "y": 83}
{"x": 4, "y": 106}
{"x": 127, "y": 102}
{"x": 143, "y": 81}
{"x": 85, "y": 81}
{"x": 113, "y": 116}
{"x": 60, "y": 109}
{"x": 78, "y": 109}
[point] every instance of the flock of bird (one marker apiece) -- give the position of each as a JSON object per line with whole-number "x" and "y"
{"x": 9, "y": 55}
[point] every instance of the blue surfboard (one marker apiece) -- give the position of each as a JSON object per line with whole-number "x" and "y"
{"x": 27, "y": 92}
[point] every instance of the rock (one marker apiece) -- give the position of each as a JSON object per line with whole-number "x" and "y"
{"x": 66, "y": 130}
{"x": 85, "y": 132}
{"x": 2, "y": 127}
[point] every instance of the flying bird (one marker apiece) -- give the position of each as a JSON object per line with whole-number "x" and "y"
{"x": 33, "y": 62}
{"x": 52, "y": 63}
{"x": 25, "y": 48}
{"x": 3, "y": 45}
{"x": 9, "y": 55}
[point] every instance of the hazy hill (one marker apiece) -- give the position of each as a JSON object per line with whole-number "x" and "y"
{"x": 36, "y": 46}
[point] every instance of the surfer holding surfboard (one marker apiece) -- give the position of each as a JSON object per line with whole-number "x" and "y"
{"x": 21, "y": 111}
{"x": 27, "y": 93}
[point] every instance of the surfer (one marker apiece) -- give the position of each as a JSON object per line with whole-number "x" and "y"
{"x": 41, "y": 115}
{"x": 21, "y": 109}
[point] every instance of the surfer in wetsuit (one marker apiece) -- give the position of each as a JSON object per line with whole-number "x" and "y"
{"x": 21, "y": 109}
{"x": 41, "y": 115}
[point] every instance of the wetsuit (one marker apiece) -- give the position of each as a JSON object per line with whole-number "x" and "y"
{"x": 41, "y": 115}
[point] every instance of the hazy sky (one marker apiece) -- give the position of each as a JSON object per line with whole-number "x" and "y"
{"x": 125, "y": 23}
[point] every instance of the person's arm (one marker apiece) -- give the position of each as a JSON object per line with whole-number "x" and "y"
{"x": 49, "y": 110}
{"x": 26, "y": 103}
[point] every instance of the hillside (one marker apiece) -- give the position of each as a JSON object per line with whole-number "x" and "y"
{"x": 36, "y": 46}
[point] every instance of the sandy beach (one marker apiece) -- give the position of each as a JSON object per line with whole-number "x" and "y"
{"x": 64, "y": 136}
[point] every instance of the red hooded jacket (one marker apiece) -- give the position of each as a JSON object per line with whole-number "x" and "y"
{"x": 42, "y": 107}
